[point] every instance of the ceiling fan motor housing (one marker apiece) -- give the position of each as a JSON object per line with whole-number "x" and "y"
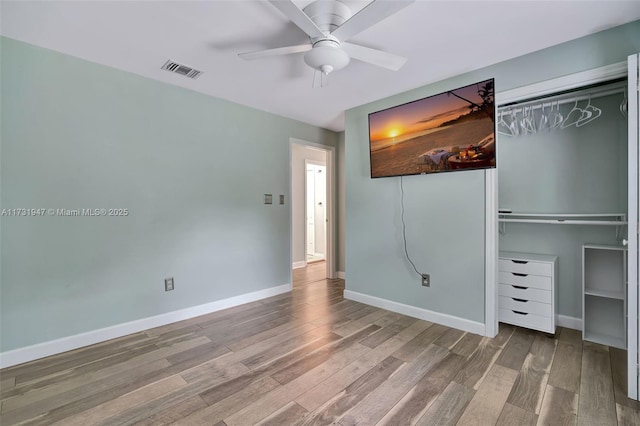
{"x": 327, "y": 55}
{"x": 328, "y": 15}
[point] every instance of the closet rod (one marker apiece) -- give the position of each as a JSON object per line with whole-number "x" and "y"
{"x": 560, "y": 99}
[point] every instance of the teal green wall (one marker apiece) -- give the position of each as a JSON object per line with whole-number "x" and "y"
{"x": 191, "y": 169}
{"x": 444, "y": 213}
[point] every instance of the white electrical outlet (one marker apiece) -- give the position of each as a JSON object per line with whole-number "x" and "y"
{"x": 426, "y": 280}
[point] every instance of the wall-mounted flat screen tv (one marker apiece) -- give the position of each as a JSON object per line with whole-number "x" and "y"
{"x": 453, "y": 130}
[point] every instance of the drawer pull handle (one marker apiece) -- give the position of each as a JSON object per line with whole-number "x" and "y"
{"x": 519, "y": 287}
{"x": 522, "y": 262}
{"x": 520, "y": 300}
{"x": 520, "y": 313}
{"x": 519, "y": 275}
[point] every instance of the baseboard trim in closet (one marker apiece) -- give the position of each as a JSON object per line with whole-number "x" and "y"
{"x": 420, "y": 313}
{"x": 569, "y": 322}
{"x": 53, "y": 347}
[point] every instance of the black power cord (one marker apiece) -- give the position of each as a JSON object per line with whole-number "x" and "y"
{"x": 404, "y": 229}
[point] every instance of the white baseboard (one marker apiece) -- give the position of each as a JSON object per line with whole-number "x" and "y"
{"x": 300, "y": 264}
{"x": 341, "y": 275}
{"x": 41, "y": 350}
{"x": 413, "y": 311}
{"x": 569, "y": 322}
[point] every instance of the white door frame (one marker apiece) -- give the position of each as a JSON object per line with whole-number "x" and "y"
{"x": 491, "y": 252}
{"x": 331, "y": 205}
{"x": 571, "y": 81}
{"x": 632, "y": 234}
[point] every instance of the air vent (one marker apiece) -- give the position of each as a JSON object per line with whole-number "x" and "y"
{"x": 181, "y": 69}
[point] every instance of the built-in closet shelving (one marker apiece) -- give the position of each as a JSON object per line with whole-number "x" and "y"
{"x": 604, "y": 219}
{"x": 618, "y": 220}
{"x": 562, "y": 170}
{"x": 604, "y": 284}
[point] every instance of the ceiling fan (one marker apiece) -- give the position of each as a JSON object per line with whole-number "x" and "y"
{"x": 328, "y": 23}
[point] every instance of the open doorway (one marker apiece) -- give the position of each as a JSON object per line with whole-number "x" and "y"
{"x": 316, "y": 211}
{"x": 312, "y": 189}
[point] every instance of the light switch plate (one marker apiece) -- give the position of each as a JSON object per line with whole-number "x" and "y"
{"x": 281, "y": 198}
{"x": 268, "y": 198}
{"x": 168, "y": 284}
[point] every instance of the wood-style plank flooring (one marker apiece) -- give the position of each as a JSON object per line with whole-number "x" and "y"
{"x": 313, "y": 358}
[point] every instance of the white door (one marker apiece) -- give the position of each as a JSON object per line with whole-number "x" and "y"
{"x": 320, "y": 209}
{"x": 316, "y": 211}
{"x": 310, "y": 219}
{"x": 632, "y": 261}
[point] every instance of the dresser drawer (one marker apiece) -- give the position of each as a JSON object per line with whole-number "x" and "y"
{"x": 536, "y": 322}
{"x": 524, "y": 280}
{"x": 527, "y": 306}
{"x": 526, "y": 293}
{"x": 525, "y": 267}
{"x": 527, "y": 290}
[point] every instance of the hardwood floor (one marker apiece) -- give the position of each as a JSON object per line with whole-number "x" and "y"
{"x": 313, "y": 358}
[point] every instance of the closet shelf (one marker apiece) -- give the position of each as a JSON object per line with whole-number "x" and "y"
{"x": 609, "y": 294}
{"x": 619, "y": 220}
{"x": 605, "y": 339}
{"x": 614, "y": 219}
{"x": 566, "y": 222}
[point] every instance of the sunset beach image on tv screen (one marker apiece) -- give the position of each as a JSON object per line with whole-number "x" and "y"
{"x": 453, "y": 130}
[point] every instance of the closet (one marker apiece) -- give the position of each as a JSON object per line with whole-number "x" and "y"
{"x": 562, "y": 184}
{"x": 563, "y": 180}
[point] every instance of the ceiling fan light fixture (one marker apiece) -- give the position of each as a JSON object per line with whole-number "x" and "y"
{"x": 326, "y": 69}
{"x": 328, "y": 23}
{"x": 326, "y": 57}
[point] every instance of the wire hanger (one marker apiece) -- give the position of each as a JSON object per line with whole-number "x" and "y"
{"x": 503, "y": 123}
{"x": 624, "y": 104}
{"x": 544, "y": 119}
{"x": 577, "y": 112}
{"x": 592, "y": 112}
{"x": 515, "y": 129}
{"x": 557, "y": 116}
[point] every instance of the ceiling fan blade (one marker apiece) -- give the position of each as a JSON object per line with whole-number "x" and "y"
{"x": 298, "y": 17}
{"x": 275, "y": 52}
{"x": 370, "y": 15}
{"x": 375, "y": 57}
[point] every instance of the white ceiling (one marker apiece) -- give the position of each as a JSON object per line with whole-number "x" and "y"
{"x": 440, "y": 38}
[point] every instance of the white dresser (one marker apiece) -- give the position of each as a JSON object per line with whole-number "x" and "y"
{"x": 528, "y": 290}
